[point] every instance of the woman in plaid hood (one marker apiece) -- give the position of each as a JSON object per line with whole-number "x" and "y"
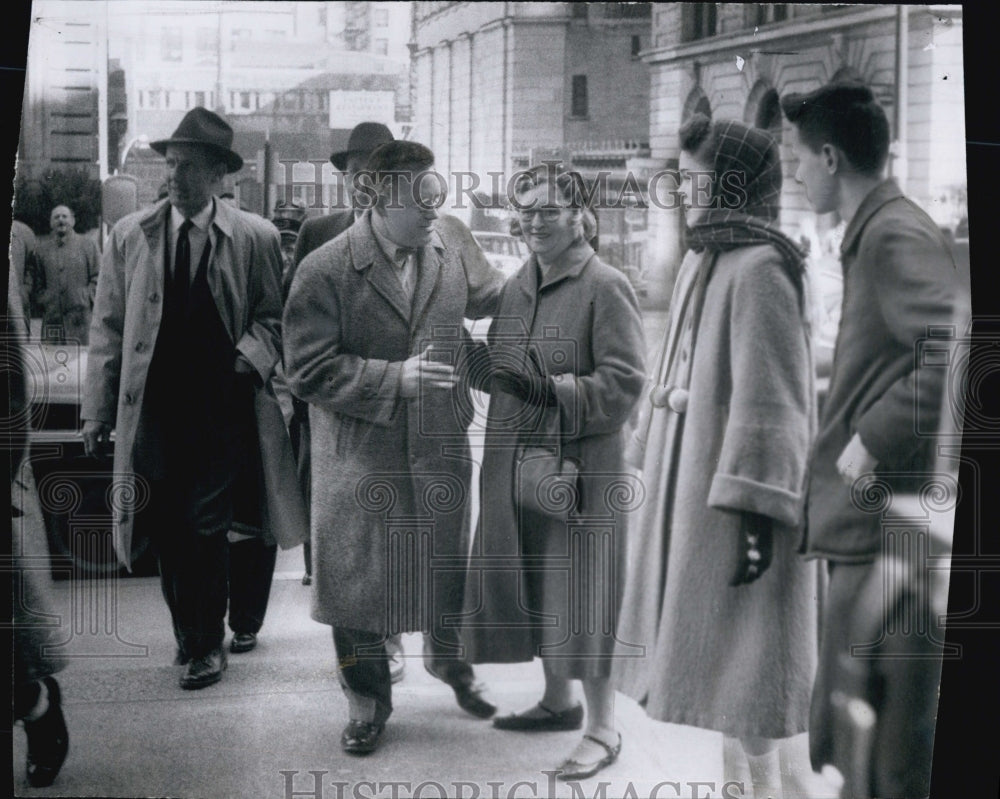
{"x": 715, "y": 594}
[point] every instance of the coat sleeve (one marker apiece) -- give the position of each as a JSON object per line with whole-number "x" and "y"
{"x": 916, "y": 282}
{"x": 485, "y": 282}
{"x": 765, "y": 444}
{"x": 260, "y": 344}
{"x": 601, "y": 402}
{"x": 104, "y": 353}
{"x": 317, "y": 369}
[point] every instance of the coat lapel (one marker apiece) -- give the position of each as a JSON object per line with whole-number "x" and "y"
{"x": 154, "y": 226}
{"x": 428, "y": 274}
{"x": 367, "y": 256}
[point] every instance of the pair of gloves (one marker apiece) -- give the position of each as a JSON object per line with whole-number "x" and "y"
{"x": 532, "y": 388}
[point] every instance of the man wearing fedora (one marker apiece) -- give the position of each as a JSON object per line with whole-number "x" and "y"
{"x": 364, "y": 139}
{"x": 183, "y": 342}
{"x": 388, "y": 420}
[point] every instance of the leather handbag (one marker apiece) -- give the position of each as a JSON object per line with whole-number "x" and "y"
{"x": 545, "y": 481}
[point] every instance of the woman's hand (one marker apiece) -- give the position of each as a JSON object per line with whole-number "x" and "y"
{"x": 526, "y": 386}
{"x": 755, "y": 548}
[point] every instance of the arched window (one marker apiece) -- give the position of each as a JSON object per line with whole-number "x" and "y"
{"x": 697, "y": 103}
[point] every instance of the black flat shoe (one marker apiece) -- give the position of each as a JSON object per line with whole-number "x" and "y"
{"x": 361, "y": 737}
{"x": 574, "y": 770}
{"x": 48, "y": 740}
{"x": 569, "y": 719}
{"x": 470, "y": 699}
{"x": 242, "y": 642}
{"x": 203, "y": 671}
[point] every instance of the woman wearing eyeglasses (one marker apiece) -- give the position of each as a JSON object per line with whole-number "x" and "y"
{"x": 715, "y": 592}
{"x": 565, "y": 370}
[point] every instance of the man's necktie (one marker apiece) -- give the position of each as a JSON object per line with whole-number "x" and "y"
{"x": 407, "y": 269}
{"x": 182, "y": 265}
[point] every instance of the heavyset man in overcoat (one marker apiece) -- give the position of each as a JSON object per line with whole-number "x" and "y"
{"x": 391, "y": 464}
{"x": 183, "y": 342}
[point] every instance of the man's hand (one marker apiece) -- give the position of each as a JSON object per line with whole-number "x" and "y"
{"x": 855, "y": 461}
{"x": 755, "y": 548}
{"x": 96, "y": 436}
{"x": 421, "y": 371}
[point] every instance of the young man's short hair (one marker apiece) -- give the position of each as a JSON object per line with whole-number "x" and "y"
{"x": 846, "y": 115}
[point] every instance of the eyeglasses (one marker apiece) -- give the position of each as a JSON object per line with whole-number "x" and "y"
{"x": 548, "y": 213}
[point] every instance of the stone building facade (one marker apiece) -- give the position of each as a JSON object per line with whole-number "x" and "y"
{"x": 497, "y": 85}
{"x": 734, "y": 60}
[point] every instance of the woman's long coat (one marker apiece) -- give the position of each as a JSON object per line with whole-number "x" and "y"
{"x": 390, "y": 475}
{"x": 539, "y": 585}
{"x": 739, "y": 660}
{"x": 244, "y": 276}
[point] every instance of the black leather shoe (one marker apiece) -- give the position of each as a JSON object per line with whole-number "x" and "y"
{"x": 48, "y": 740}
{"x": 569, "y": 719}
{"x": 361, "y": 737}
{"x": 470, "y": 699}
{"x": 242, "y": 642}
{"x": 307, "y": 579}
{"x": 205, "y": 670}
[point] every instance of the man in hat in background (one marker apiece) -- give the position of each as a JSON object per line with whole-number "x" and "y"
{"x": 184, "y": 338}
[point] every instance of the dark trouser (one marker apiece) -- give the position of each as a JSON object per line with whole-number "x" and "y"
{"x": 251, "y": 568}
{"x": 193, "y": 555}
{"x": 896, "y": 670}
{"x": 364, "y": 669}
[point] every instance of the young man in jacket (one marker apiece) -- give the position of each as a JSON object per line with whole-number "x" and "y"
{"x": 880, "y": 417}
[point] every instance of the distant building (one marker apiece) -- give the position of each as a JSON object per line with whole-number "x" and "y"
{"x": 65, "y": 70}
{"x": 499, "y": 84}
{"x": 733, "y": 60}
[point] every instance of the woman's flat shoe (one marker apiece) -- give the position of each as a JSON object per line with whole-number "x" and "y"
{"x": 574, "y": 770}
{"x": 569, "y": 719}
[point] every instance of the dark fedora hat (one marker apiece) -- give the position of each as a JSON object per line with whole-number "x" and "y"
{"x": 208, "y": 129}
{"x": 365, "y": 137}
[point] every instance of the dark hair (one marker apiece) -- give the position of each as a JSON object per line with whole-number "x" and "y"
{"x": 695, "y": 132}
{"x": 846, "y": 115}
{"x": 399, "y": 156}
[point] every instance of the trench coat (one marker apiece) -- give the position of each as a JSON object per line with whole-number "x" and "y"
{"x": 390, "y": 475}
{"x": 739, "y": 660}
{"x": 244, "y": 276}
{"x": 541, "y": 585}
{"x": 900, "y": 284}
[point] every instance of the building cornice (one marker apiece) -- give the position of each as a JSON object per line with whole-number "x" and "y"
{"x": 745, "y": 40}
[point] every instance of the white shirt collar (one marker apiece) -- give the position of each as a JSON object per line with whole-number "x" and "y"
{"x": 200, "y": 220}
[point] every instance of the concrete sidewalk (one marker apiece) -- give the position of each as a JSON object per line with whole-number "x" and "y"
{"x": 278, "y": 713}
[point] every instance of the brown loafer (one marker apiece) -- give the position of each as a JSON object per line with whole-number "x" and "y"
{"x": 574, "y": 770}
{"x": 569, "y": 719}
{"x": 361, "y": 737}
{"x": 206, "y": 670}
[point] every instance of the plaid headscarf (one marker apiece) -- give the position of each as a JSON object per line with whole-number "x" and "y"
{"x": 752, "y": 153}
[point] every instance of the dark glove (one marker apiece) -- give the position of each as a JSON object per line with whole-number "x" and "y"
{"x": 526, "y": 386}
{"x": 756, "y": 546}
